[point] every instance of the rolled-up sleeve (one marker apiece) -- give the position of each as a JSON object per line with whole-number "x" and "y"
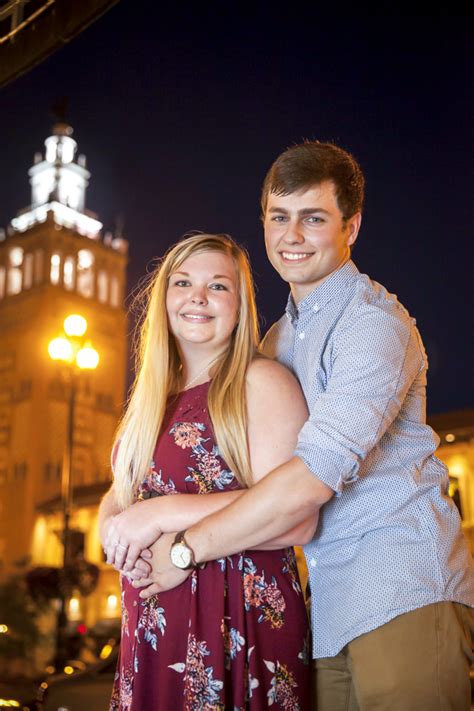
{"x": 375, "y": 359}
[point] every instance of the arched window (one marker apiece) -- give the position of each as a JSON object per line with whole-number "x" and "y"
{"x": 28, "y": 271}
{"x": 102, "y": 286}
{"x": 54, "y": 273}
{"x": 38, "y": 266}
{"x": 114, "y": 291}
{"x": 14, "y": 278}
{"x": 85, "y": 273}
{"x": 69, "y": 273}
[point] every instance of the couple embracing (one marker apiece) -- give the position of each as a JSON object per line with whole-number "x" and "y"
{"x": 230, "y": 452}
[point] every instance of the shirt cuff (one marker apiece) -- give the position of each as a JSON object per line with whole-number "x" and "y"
{"x": 331, "y": 468}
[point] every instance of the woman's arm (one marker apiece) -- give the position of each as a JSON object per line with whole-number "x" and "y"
{"x": 107, "y": 510}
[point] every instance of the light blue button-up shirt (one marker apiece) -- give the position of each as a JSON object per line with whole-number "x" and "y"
{"x": 390, "y": 539}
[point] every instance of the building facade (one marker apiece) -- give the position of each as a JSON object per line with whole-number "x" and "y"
{"x": 456, "y": 450}
{"x": 54, "y": 261}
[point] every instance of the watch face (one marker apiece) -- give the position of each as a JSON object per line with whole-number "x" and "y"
{"x": 180, "y": 555}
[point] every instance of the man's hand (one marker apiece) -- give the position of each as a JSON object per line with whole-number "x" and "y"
{"x": 164, "y": 575}
{"x": 130, "y": 534}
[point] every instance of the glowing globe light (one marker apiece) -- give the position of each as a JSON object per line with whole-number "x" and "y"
{"x": 87, "y": 358}
{"x": 60, "y": 349}
{"x": 75, "y": 325}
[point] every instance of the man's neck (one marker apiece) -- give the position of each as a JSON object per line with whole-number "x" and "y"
{"x": 301, "y": 291}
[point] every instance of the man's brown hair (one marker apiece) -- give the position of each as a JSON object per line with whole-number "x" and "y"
{"x": 307, "y": 164}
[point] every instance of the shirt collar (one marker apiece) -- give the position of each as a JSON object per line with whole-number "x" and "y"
{"x": 320, "y": 296}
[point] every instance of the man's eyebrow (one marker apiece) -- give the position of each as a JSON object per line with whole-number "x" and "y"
{"x": 303, "y": 211}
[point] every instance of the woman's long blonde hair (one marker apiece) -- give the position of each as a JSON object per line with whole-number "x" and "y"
{"x": 159, "y": 369}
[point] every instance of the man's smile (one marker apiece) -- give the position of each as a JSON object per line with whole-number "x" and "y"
{"x": 295, "y": 256}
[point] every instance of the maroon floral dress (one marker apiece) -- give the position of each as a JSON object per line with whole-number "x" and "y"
{"x": 234, "y": 635}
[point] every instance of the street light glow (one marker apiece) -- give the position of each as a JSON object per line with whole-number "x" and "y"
{"x": 87, "y": 358}
{"x": 61, "y": 349}
{"x": 75, "y": 325}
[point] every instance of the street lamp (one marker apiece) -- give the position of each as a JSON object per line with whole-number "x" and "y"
{"x": 76, "y": 353}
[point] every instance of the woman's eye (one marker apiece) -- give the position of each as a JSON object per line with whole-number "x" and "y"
{"x": 181, "y": 282}
{"x": 219, "y": 287}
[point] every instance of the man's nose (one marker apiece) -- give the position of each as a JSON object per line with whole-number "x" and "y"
{"x": 294, "y": 233}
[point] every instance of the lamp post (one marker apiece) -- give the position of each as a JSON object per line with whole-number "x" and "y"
{"x": 76, "y": 354}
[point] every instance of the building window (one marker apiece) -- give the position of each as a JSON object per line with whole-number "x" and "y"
{"x": 14, "y": 277}
{"x": 54, "y": 272}
{"x": 85, "y": 273}
{"x": 102, "y": 287}
{"x": 19, "y": 472}
{"x": 28, "y": 271}
{"x": 114, "y": 291}
{"x": 2, "y": 282}
{"x": 68, "y": 273}
{"x": 38, "y": 266}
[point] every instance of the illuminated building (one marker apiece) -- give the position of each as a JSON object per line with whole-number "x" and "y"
{"x": 456, "y": 450}
{"x": 53, "y": 262}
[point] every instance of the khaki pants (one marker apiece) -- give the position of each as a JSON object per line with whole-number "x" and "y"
{"x": 418, "y": 661}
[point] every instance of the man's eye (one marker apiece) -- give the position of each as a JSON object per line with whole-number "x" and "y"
{"x": 278, "y": 218}
{"x": 313, "y": 220}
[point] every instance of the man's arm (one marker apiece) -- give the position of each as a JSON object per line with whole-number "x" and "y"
{"x": 377, "y": 356}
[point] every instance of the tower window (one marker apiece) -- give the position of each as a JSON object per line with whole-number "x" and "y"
{"x": 114, "y": 291}
{"x": 38, "y": 266}
{"x": 28, "y": 271}
{"x": 68, "y": 273}
{"x": 85, "y": 273}
{"x": 54, "y": 270}
{"x": 102, "y": 287}
{"x": 16, "y": 257}
{"x": 14, "y": 277}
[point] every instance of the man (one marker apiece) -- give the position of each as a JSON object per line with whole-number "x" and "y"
{"x": 391, "y": 578}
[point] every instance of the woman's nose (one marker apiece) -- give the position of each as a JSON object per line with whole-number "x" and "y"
{"x": 199, "y": 296}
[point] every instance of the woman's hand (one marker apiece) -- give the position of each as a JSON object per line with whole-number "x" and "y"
{"x": 164, "y": 575}
{"x": 130, "y": 533}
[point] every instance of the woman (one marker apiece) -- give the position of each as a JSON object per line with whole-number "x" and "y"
{"x": 207, "y": 415}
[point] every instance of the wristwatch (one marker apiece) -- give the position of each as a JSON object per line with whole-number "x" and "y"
{"x": 182, "y": 555}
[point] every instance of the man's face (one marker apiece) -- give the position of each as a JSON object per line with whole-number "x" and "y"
{"x": 306, "y": 237}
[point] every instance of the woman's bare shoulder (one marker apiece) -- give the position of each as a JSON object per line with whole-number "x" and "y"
{"x": 270, "y": 384}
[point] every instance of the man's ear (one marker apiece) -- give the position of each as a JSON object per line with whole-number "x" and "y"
{"x": 353, "y": 226}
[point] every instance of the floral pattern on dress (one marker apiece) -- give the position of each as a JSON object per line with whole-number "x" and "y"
{"x": 291, "y": 568}
{"x": 154, "y": 485}
{"x": 188, "y": 434}
{"x": 266, "y": 597}
{"x": 282, "y": 687}
{"x": 233, "y": 643}
{"x": 152, "y": 620}
{"x": 122, "y": 693}
{"x": 201, "y": 690}
{"x": 125, "y": 616}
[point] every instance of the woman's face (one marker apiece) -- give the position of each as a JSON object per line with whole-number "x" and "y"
{"x": 202, "y": 302}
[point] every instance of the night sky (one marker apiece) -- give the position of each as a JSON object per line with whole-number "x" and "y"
{"x": 181, "y": 113}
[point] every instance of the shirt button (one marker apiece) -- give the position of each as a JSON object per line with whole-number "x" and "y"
{"x": 312, "y": 563}
{"x": 301, "y": 335}
{"x": 316, "y": 307}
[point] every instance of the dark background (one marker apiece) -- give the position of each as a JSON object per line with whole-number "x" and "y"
{"x": 180, "y": 112}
